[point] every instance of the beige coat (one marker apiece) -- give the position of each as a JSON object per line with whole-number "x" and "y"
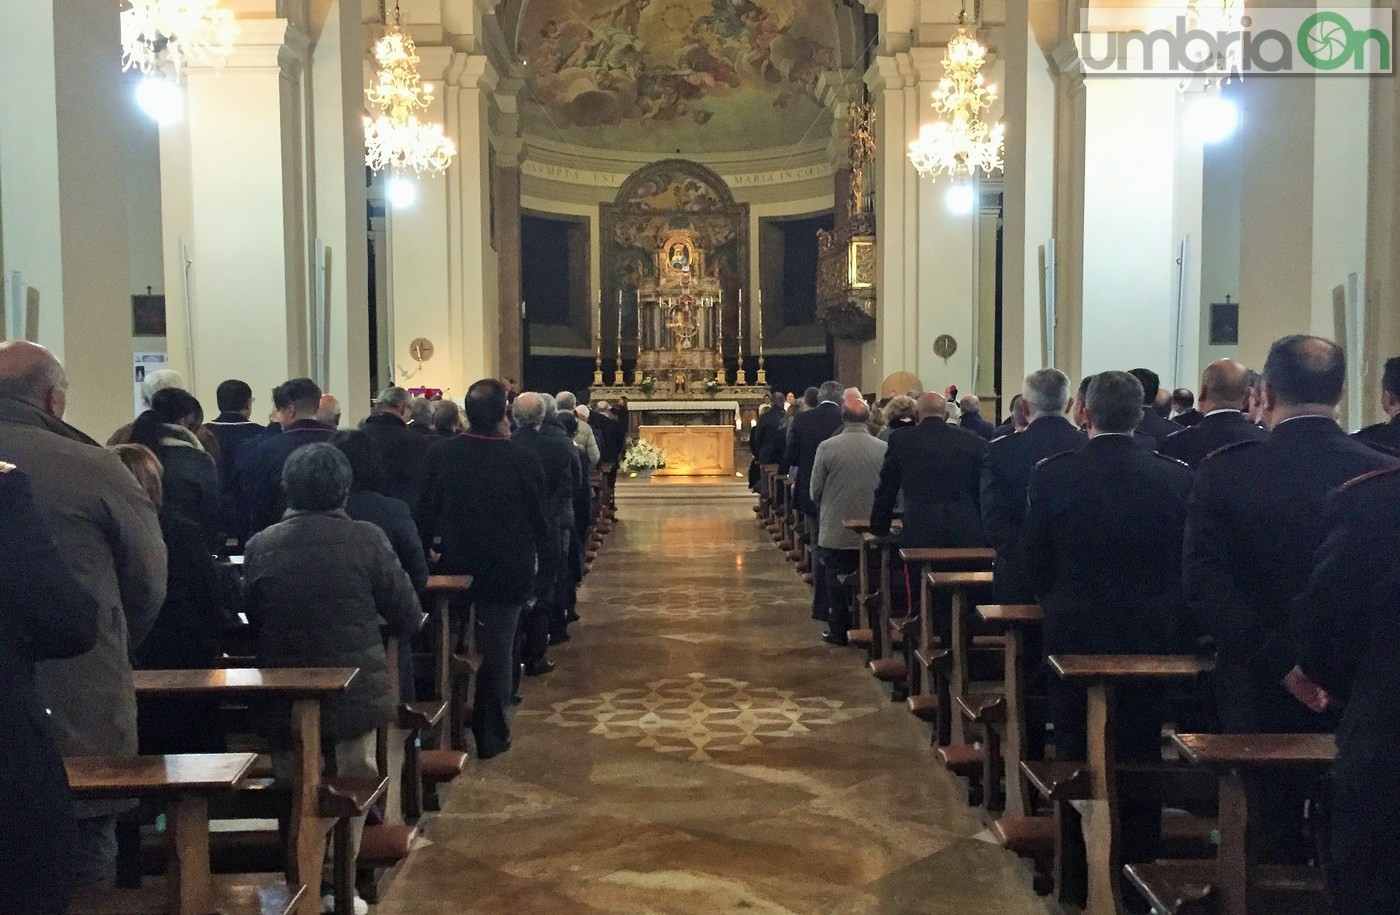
{"x": 109, "y": 534}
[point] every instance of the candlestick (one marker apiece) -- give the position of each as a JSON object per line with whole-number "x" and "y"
{"x": 617, "y": 371}
{"x": 598, "y": 346}
{"x": 740, "y": 376}
{"x": 761, "y": 378}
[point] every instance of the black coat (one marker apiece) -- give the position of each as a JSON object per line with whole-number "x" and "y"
{"x": 44, "y": 613}
{"x": 1102, "y": 542}
{"x": 395, "y": 519}
{"x": 1006, "y": 472}
{"x": 1156, "y": 426}
{"x": 558, "y": 457}
{"x": 1188, "y": 418}
{"x": 1195, "y": 443}
{"x": 974, "y": 422}
{"x": 939, "y": 469}
{"x": 259, "y": 469}
{"x": 484, "y": 496}
{"x": 1257, "y": 518}
{"x": 808, "y": 431}
{"x": 199, "y": 594}
{"x": 761, "y": 435}
{"x": 610, "y": 435}
{"x": 402, "y": 449}
{"x": 231, "y": 431}
{"x": 1384, "y": 434}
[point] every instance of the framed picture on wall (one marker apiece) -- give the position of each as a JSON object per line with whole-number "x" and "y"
{"x": 1225, "y": 323}
{"x": 148, "y": 315}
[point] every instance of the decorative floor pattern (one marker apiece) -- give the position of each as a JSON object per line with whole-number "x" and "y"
{"x": 699, "y": 750}
{"x": 698, "y": 715}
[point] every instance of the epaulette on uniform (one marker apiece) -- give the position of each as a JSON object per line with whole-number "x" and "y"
{"x": 1370, "y": 477}
{"x": 1169, "y": 458}
{"x": 6, "y": 468}
{"x": 1055, "y": 457}
{"x": 1234, "y": 446}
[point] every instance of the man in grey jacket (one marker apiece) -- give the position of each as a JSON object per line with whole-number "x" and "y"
{"x": 110, "y": 537}
{"x": 584, "y": 438}
{"x": 844, "y": 476}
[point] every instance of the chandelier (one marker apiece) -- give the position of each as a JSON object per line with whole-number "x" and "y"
{"x": 184, "y": 31}
{"x": 960, "y": 143}
{"x": 395, "y": 138}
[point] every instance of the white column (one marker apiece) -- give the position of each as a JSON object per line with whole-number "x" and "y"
{"x": 234, "y": 213}
{"x": 894, "y": 214}
{"x": 337, "y": 85}
{"x": 474, "y": 306}
{"x": 63, "y": 195}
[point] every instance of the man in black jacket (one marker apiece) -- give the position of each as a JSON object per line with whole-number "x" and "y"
{"x": 971, "y": 417}
{"x": 1388, "y": 432}
{"x": 401, "y": 447}
{"x": 1183, "y": 409}
{"x": 558, "y": 456}
{"x": 1102, "y": 543}
{"x": 1347, "y": 625}
{"x": 260, "y": 460}
{"x": 1257, "y": 518}
{"x": 1224, "y": 390}
{"x": 232, "y": 428}
{"x": 1006, "y": 471}
{"x": 762, "y": 433}
{"x": 1154, "y": 425}
{"x": 939, "y": 468}
{"x": 483, "y": 495}
{"x": 808, "y": 431}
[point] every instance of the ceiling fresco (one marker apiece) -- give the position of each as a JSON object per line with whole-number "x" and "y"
{"x": 676, "y": 75}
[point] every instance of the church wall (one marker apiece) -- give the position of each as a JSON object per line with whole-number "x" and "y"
{"x": 141, "y": 154}
{"x": 1220, "y": 242}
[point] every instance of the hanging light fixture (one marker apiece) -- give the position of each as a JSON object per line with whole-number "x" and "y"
{"x": 960, "y": 143}
{"x": 181, "y": 32}
{"x": 395, "y": 138}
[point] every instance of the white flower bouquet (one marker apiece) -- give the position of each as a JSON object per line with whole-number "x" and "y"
{"x": 641, "y": 457}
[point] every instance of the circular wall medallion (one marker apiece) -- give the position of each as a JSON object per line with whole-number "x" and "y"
{"x": 421, "y": 349}
{"x": 944, "y": 346}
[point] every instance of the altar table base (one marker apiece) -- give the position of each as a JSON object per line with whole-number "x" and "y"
{"x": 693, "y": 451}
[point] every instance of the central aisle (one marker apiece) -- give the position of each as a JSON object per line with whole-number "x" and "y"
{"x": 698, "y": 749}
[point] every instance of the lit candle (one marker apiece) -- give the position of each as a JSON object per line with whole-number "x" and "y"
{"x": 760, "y": 314}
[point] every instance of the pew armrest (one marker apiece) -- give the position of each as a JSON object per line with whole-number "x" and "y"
{"x": 1058, "y": 781}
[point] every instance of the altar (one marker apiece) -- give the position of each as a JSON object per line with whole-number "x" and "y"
{"x": 693, "y": 451}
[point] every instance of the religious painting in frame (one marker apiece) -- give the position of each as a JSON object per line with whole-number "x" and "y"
{"x": 148, "y": 315}
{"x": 1225, "y": 323}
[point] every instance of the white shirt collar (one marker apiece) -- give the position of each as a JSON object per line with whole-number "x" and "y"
{"x": 1224, "y": 410}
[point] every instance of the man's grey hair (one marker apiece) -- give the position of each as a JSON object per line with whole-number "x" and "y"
{"x": 394, "y": 398}
{"x": 1047, "y": 391}
{"x": 529, "y": 410}
{"x": 566, "y": 400}
{"x": 317, "y": 478}
{"x": 970, "y": 405}
{"x": 421, "y": 411}
{"x": 1114, "y": 402}
{"x": 854, "y": 409}
{"x": 830, "y": 390}
{"x": 159, "y": 380}
{"x": 551, "y": 407}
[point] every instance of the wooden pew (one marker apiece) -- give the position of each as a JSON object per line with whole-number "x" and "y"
{"x": 925, "y": 700}
{"x": 182, "y": 784}
{"x": 1100, "y": 674}
{"x": 1015, "y": 620}
{"x": 1229, "y": 884}
{"x": 454, "y": 653}
{"x": 885, "y": 666}
{"x": 305, "y": 688}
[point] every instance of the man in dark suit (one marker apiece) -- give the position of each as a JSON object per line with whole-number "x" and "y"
{"x": 612, "y": 440}
{"x": 809, "y": 430}
{"x": 1184, "y": 412}
{"x": 1257, "y": 518}
{"x": 545, "y": 622}
{"x": 1102, "y": 536}
{"x": 1388, "y": 432}
{"x": 1153, "y": 424}
{"x": 762, "y": 433}
{"x": 232, "y": 427}
{"x": 1015, "y": 420}
{"x": 971, "y": 418}
{"x": 1006, "y": 472}
{"x": 1347, "y": 625}
{"x": 938, "y": 467}
{"x": 484, "y": 496}
{"x": 1224, "y": 390}
{"x": 401, "y": 447}
{"x": 261, "y": 460}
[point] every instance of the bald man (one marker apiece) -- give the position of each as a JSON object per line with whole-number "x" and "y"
{"x": 1224, "y": 390}
{"x": 328, "y": 411}
{"x": 938, "y": 467}
{"x": 110, "y": 536}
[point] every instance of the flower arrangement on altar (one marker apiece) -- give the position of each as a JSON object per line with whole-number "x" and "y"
{"x": 712, "y": 386}
{"x": 648, "y": 384}
{"x": 642, "y": 457}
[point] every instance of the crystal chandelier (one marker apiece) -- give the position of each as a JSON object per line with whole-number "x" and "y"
{"x": 183, "y": 31}
{"x": 960, "y": 143}
{"x": 395, "y": 138}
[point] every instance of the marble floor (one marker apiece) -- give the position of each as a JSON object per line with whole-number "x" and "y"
{"x": 698, "y": 749}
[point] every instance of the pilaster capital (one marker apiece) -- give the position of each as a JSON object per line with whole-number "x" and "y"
{"x": 927, "y": 63}
{"x": 434, "y": 61}
{"x": 471, "y": 71}
{"x": 1069, "y": 66}
{"x": 884, "y": 74}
